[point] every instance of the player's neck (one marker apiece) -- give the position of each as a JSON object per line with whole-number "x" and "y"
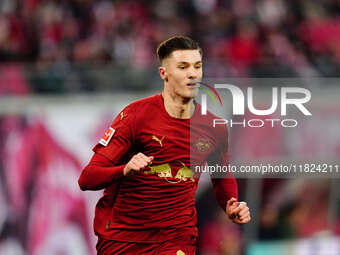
{"x": 178, "y": 107}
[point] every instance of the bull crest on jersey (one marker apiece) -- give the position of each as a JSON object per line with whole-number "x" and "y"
{"x": 203, "y": 145}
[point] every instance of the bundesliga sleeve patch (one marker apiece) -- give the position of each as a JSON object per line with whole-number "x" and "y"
{"x": 107, "y": 136}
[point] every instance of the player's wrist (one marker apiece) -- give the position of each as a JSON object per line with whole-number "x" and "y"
{"x": 126, "y": 170}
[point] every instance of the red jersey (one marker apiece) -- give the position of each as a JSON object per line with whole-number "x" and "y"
{"x": 158, "y": 203}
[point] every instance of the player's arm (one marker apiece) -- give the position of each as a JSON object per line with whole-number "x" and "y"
{"x": 225, "y": 187}
{"x": 106, "y": 164}
{"x": 226, "y": 194}
{"x": 100, "y": 172}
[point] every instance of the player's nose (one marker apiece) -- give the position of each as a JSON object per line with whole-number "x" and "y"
{"x": 192, "y": 73}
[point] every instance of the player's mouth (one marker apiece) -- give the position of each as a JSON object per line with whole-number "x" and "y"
{"x": 193, "y": 84}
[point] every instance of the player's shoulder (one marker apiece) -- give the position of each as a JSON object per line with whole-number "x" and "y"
{"x": 150, "y": 101}
{"x": 211, "y": 120}
{"x": 208, "y": 115}
{"x": 136, "y": 110}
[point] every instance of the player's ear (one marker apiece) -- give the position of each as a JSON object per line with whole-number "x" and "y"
{"x": 163, "y": 73}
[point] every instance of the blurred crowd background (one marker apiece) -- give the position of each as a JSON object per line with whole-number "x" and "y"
{"x": 72, "y": 45}
{"x": 67, "y": 67}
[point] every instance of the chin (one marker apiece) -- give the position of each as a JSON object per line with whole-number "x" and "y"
{"x": 188, "y": 94}
{"x": 193, "y": 93}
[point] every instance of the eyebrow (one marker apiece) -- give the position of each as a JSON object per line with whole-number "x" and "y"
{"x": 183, "y": 62}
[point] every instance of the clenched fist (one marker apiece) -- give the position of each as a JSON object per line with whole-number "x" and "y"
{"x": 137, "y": 163}
{"x": 238, "y": 212}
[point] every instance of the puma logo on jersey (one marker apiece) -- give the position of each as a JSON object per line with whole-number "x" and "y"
{"x": 122, "y": 115}
{"x": 108, "y": 225}
{"x": 158, "y": 140}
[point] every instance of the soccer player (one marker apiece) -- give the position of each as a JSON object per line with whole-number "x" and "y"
{"x": 144, "y": 164}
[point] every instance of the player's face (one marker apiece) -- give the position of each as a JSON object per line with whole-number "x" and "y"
{"x": 183, "y": 71}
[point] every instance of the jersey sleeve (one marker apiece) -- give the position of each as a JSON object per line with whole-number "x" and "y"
{"x": 107, "y": 164}
{"x": 224, "y": 184}
{"x": 99, "y": 173}
{"x": 118, "y": 139}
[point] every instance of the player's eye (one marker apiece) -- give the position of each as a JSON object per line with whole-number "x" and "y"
{"x": 181, "y": 67}
{"x": 198, "y": 66}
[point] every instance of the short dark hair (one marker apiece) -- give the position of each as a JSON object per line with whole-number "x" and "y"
{"x": 166, "y": 47}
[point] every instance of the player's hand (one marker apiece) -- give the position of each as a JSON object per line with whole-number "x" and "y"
{"x": 137, "y": 163}
{"x": 238, "y": 212}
